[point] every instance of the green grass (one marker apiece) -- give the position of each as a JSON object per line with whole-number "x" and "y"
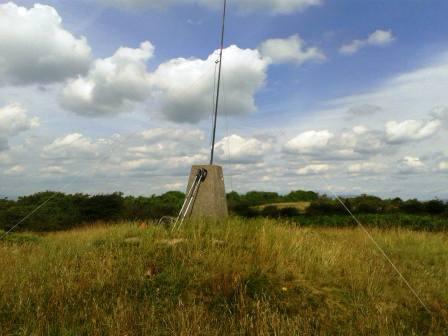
{"x": 256, "y": 277}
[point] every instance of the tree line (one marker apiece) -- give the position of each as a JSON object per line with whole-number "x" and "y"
{"x": 66, "y": 211}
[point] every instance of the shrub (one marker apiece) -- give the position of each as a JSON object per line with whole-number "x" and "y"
{"x": 301, "y": 196}
{"x": 435, "y": 207}
{"x": 412, "y": 206}
{"x": 289, "y": 212}
{"x": 270, "y": 211}
{"x": 325, "y": 207}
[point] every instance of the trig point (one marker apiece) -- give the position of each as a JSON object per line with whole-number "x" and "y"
{"x": 210, "y": 202}
{"x": 206, "y": 194}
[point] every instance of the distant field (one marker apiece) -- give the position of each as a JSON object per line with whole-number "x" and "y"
{"x": 301, "y": 206}
{"x": 257, "y": 277}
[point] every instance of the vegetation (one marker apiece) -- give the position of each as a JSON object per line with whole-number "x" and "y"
{"x": 64, "y": 212}
{"x": 247, "y": 277}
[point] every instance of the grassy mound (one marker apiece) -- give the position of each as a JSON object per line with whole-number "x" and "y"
{"x": 244, "y": 278}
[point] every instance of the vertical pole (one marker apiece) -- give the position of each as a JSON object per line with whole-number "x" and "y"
{"x": 219, "y": 81}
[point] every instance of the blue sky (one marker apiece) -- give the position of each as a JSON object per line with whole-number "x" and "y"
{"x": 295, "y": 105}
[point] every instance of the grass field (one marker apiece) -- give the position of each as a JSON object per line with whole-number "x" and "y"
{"x": 301, "y": 206}
{"x": 256, "y": 277}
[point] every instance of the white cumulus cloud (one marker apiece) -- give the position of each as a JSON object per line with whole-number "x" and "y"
{"x": 313, "y": 169}
{"x": 14, "y": 120}
{"x": 35, "y": 47}
{"x": 237, "y": 149}
{"x": 179, "y": 90}
{"x": 290, "y": 50}
{"x": 111, "y": 84}
{"x": 185, "y": 86}
{"x": 355, "y": 144}
{"x": 377, "y": 38}
{"x": 411, "y": 165}
{"x": 71, "y": 146}
{"x": 366, "y": 168}
{"x": 309, "y": 142}
{"x": 411, "y": 130}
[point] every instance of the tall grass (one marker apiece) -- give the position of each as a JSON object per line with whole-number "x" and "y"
{"x": 245, "y": 277}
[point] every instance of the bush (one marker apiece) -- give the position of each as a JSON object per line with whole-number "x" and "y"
{"x": 367, "y": 204}
{"x": 270, "y": 211}
{"x": 412, "y": 206}
{"x": 301, "y": 196}
{"x": 325, "y": 207}
{"x": 289, "y": 212}
{"x": 435, "y": 207}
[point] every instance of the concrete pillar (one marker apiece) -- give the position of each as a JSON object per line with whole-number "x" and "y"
{"x": 211, "y": 201}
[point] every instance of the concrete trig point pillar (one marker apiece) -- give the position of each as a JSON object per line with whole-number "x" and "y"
{"x": 210, "y": 202}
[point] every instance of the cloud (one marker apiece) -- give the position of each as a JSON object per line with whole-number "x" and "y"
{"x": 313, "y": 169}
{"x": 112, "y": 84}
{"x": 378, "y": 38}
{"x": 179, "y": 90}
{"x": 355, "y": 144}
{"x": 70, "y": 147}
{"x": 443, "y": 166}
{"x": 185, "y": 86}
{"x": 153, "y": 152}
{"x": 273, "y": 6}
{"x": 441, "y": 113}
{"x": 3, "y": 144}
{"x": 185, "y": 135}
{"x": 309, "y": 142}
{"x": 13, "y": 121}
{"x": 54, "y": 170}
{"x": 366, "y": 168}
{"x": 160, "y": 151}
{"x": 175, "y": 186}
{"x": 237, "y": 149}
{"x": 290, "y": 50}
{"x": 406, "y": 96}
{"x": 164, "y": 142}
{"x": 364, "y": 110}
{"x": 358, "y": 143}
{"x": 15, "y": 170}
{"x": 411, "y": 165}
{"x": 277, "y": 6}
{"x": 411, "y": 130}
{"x": 35, "y": 48}
{"x": 169, "y": 166}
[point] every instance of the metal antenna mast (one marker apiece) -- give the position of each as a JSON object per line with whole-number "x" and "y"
{"x": 219, "y": 81}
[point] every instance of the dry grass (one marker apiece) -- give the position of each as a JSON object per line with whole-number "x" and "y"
{"x": 301, "y": 206}
{"x": 244, "y": 278}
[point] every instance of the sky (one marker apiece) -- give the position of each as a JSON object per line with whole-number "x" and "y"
{"x": 345, "y": 97}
